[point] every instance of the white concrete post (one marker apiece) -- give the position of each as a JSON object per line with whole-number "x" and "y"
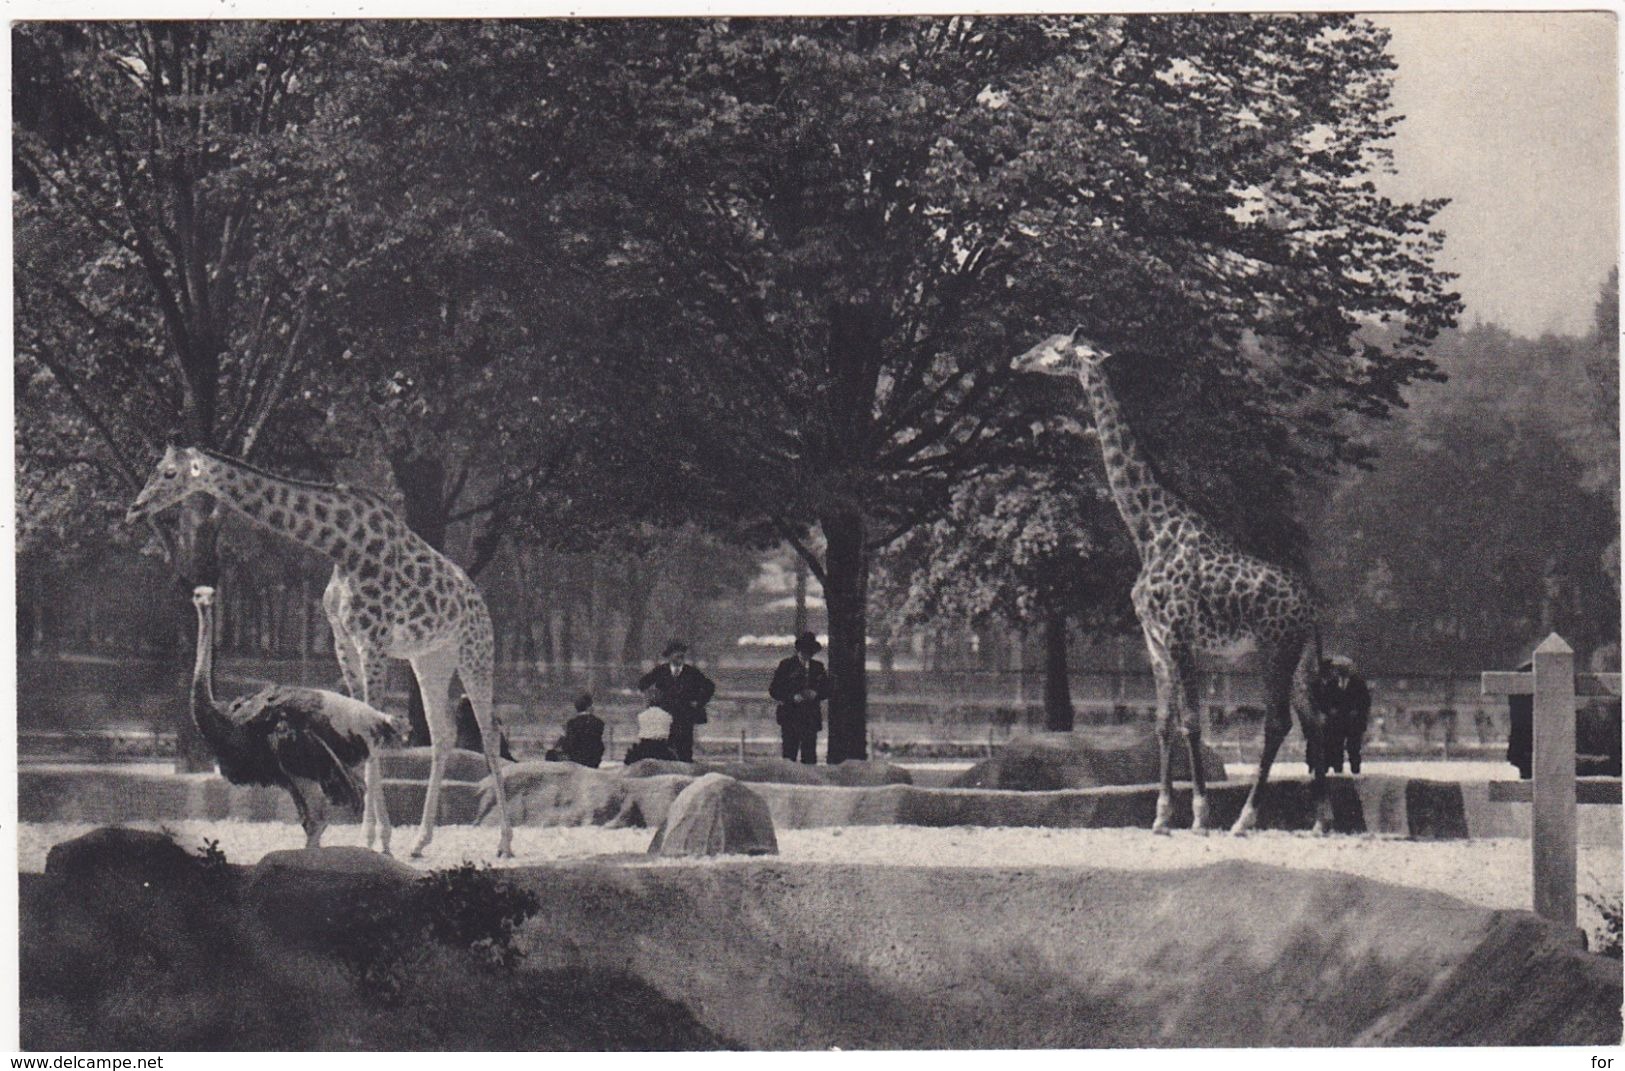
{"x": 1553, "y": 813}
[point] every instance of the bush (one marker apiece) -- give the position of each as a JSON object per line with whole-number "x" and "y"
{"x": 388, "y": 937}
{"x": 1607, "y": 939}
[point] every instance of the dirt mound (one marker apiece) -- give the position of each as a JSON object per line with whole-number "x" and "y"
{"x": 1236, "y": 954}
{"x": 1047, "y": 762}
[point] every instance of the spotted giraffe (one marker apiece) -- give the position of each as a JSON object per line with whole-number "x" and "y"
{"x": 391, "y": 596}
{"x": 1198, "y": 593}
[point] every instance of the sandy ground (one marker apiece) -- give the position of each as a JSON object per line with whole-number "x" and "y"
{"x": 1490, "y": 873}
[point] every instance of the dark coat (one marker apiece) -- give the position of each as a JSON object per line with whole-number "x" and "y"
{"x": 790, "y": 678}
{"x": 583, "y": 740}
{"x": 683, "y": 697}
{"x": 1347, "y": 712}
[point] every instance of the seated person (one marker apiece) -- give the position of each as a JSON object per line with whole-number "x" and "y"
{"x": 583, "y": 739}
{"x": 654, "y": 731}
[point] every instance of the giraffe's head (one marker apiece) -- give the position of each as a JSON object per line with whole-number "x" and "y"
{"x": 1059, "y": 355}
{"x": 202, "y": 596}
{"x": 179, "y": 473}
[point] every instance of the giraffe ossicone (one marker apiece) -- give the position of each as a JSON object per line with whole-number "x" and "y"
{"x": 391, "y": 596}
{"x": 1198, "y": 593}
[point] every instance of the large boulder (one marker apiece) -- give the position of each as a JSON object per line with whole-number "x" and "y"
{"x": 553, "y": 794}
{"x": 716, "y": 815}
{"x": 309, "y": 896}
{"x": 116, "y": 854}
{"x": 664, "y": 767}
{"x": 1048, "y": 762}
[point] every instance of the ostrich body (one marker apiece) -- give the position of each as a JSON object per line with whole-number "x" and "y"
{"x": 308, "y": 741}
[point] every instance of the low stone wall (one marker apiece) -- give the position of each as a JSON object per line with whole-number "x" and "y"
{"x": 563, "y": 794}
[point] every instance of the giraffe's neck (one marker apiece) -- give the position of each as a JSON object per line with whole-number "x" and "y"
{"x": 328, "y": 520}
{"x": 1143, "y": 503}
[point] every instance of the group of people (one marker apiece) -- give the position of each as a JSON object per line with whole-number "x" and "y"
{"x": 676, "y": 694}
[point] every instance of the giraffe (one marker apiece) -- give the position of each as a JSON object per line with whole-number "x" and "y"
{"x": 391, "y": 596}
{"x": 1198, "y": 593}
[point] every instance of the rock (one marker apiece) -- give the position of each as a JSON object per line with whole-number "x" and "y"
{"x": 646, "y": 801}
{"x": 1047, "y": 762}
{"x": 553, "y": 794}
{"x": 116, "y": 853}
{"x": 307, "y": 896}
{"x": 869, "y": 774}
{"x": 772, "y": 771}
{"x": 412, "y": 764}
{"x": 345, "y": 859}
{"x": 662, "y": 767}
{"x": 716, "y": 815}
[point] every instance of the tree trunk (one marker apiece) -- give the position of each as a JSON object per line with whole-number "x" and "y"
{"x": 801, "y": 595}
{"x": 567, "y": 633}
{"x": 641, "y": 582}
{"x": 1057, "y": 685}
{"x": 846, "y": 591}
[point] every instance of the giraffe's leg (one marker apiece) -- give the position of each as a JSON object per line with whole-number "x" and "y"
{"x": 1185, "y": 682}
{"x": 1277, "y": 723}
{"x": 1313, "y": 722}
{"x": 434, "y": 671}
{"x": 372, "y": 670}
{"x": 474, "y": 669}
{"x": 375, "y": 817}
{"x": 1162, "y": 670}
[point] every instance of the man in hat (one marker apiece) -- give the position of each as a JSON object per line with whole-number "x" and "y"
{"x": 684, "y": 692}
{"x": 800, "y": 685}
{"x": 1344, "y": 700}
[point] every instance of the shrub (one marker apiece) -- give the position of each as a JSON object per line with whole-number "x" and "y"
{"x": 1607, "y": 938}
{"x": 387, "y": 937}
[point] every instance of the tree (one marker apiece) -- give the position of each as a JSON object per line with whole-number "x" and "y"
{"x": 846, "y": 227}
{"x": 1029, "y": 548}
{"x": 155, "y": 170}
{"x": 1469, "y": 542}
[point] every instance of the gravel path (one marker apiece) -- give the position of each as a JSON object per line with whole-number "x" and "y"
{"x": 1490, "y": 873}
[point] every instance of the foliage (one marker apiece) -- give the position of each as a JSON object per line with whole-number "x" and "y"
{"x": 847, "y": 226}
{"x": 388, "y": 939}
{"x": 761, "y": 275}
{"x": 187, "y": 968}
{"x": 1491, "y": 514}
{"x": 1016, "y": 546}
{"x": 1607, "y": 939}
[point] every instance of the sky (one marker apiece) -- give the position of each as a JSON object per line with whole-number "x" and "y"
{"x": 1514, "y": 117}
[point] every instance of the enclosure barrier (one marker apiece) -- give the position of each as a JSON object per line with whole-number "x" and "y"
{"x": 1554, "y": 685}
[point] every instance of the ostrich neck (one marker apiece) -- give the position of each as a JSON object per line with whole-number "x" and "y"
{"x": 203, "y": 669}
{"x": 1140, "y": 499}
{"x": 217, "y": 729}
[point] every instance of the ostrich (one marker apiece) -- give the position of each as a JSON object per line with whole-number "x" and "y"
{"x": 306, "y": 740}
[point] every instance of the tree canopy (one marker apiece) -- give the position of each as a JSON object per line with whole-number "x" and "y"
{"x": 764, "y": 275}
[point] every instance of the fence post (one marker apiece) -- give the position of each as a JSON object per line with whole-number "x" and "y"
{"x": 1553, "y": 812}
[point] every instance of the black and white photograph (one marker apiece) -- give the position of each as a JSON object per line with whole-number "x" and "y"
{"x": 733, "y": 530}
